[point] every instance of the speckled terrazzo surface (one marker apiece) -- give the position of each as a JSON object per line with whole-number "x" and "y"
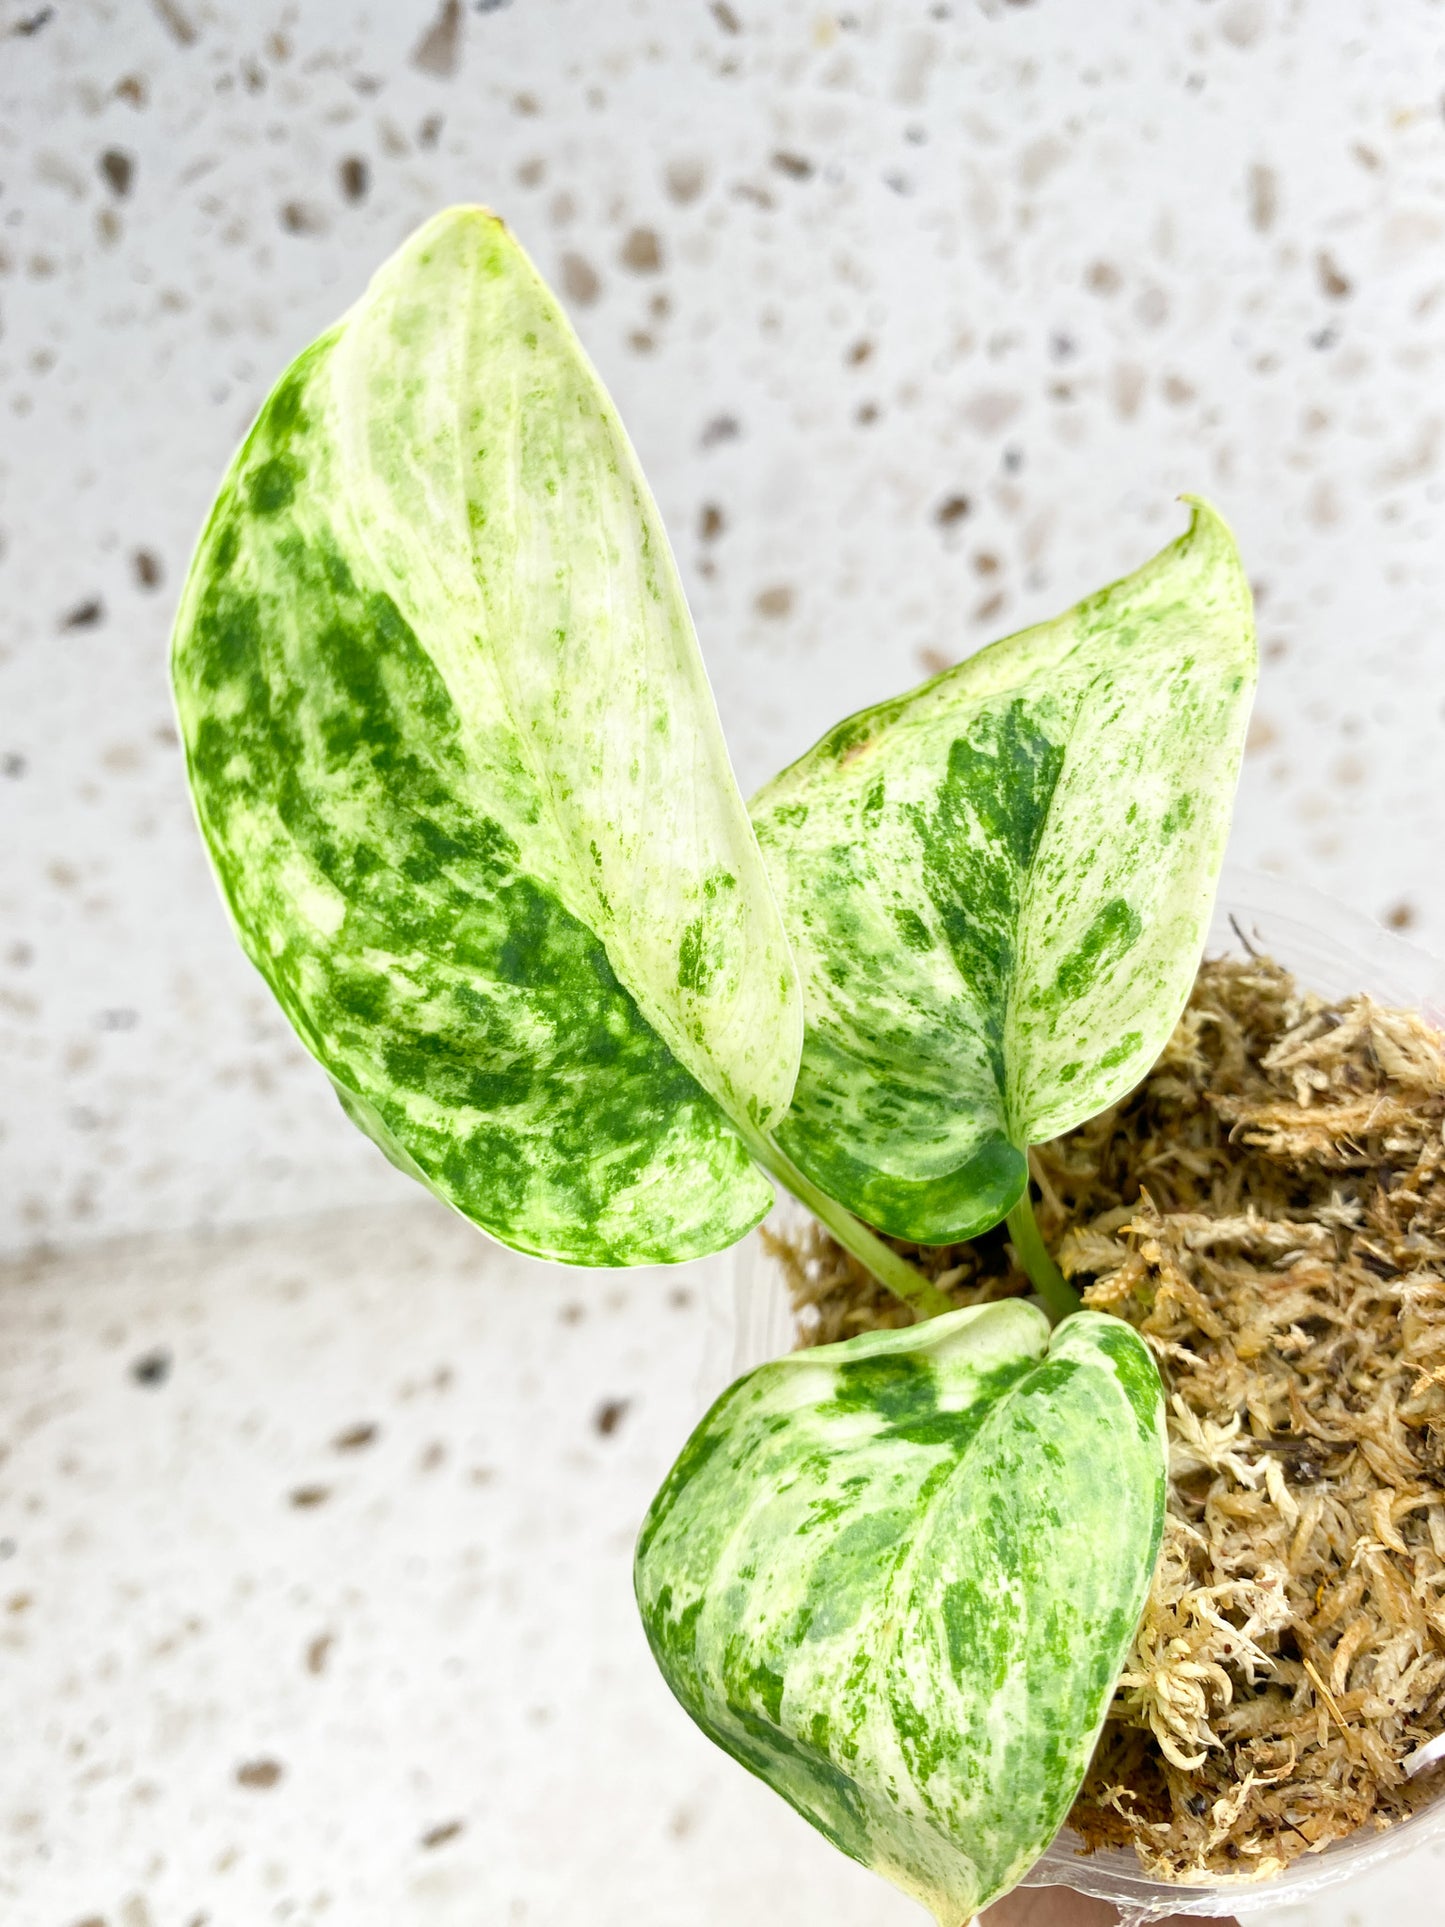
{"x": 920, "y": 315}
{"x": 315, "y": 1599}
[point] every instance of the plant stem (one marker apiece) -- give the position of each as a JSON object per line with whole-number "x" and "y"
{"x": 1058, "y": 1295}
{"x": 900, "y": 1277}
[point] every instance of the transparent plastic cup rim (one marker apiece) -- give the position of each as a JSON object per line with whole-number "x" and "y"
{"x": 1337, "y": 952}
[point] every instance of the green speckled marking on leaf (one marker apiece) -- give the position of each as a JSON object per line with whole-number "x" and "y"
{"x": 454, "y": 753}
{"x": 998, "y": 888}
{"x": 897, "y": 1578}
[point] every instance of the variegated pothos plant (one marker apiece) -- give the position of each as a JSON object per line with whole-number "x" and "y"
{"x": 455, "y": 757}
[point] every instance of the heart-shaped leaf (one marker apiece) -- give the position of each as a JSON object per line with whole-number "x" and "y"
{"x": 897, "y": 1578}
{"x": 454, "y": 752}
{"x": 998, "y": 889}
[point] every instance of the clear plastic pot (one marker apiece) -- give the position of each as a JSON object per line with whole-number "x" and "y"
{"x": 1332, "y": 950}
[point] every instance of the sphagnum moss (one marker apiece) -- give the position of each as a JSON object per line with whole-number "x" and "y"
{"x": 1268, "y": 1210}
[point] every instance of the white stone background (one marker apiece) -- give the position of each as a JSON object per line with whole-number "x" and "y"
{"x": 844, "y": 271}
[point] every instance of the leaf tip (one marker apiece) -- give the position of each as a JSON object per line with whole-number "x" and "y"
{"x": 1207, "y": 524}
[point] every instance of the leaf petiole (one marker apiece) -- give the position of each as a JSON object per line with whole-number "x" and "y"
{"x": 1060, "y": 1298}
{"x": 892, "y": 1271}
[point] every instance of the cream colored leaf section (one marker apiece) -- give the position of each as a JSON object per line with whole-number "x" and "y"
{"x": 509, "y": 519}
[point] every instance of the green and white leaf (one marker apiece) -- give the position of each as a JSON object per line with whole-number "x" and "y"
{"x": 998, "y": 889}
{"x": 454, "y": 752}
{"x": 898, "y": 1578}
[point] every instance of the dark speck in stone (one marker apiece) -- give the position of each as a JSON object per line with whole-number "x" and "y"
{"x": 439, "y": 1836}
{"x": 355, "y": 1437}
{"x": 306, "y": 1497}
{"x": 85, "y": 615}
{"x": 177, "y": 24}
{"x": 297, "y": 217}
{"x": 439, "y": 51}
{"x": 148, "y": 571}
{"x": 1333, "y": 281}
{"x": 722, "y": 428}
{"x": 952, "y": 509}
{"x": 152, "y": 1368}
{"x": 355, "y": 177}
{"x": 610, "y": 1415}
{"x": 259, "y": 1774}
{"x": 117, "y": 170}
{"x": 581, "y": 282}
{"x": 642, "y": 251}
